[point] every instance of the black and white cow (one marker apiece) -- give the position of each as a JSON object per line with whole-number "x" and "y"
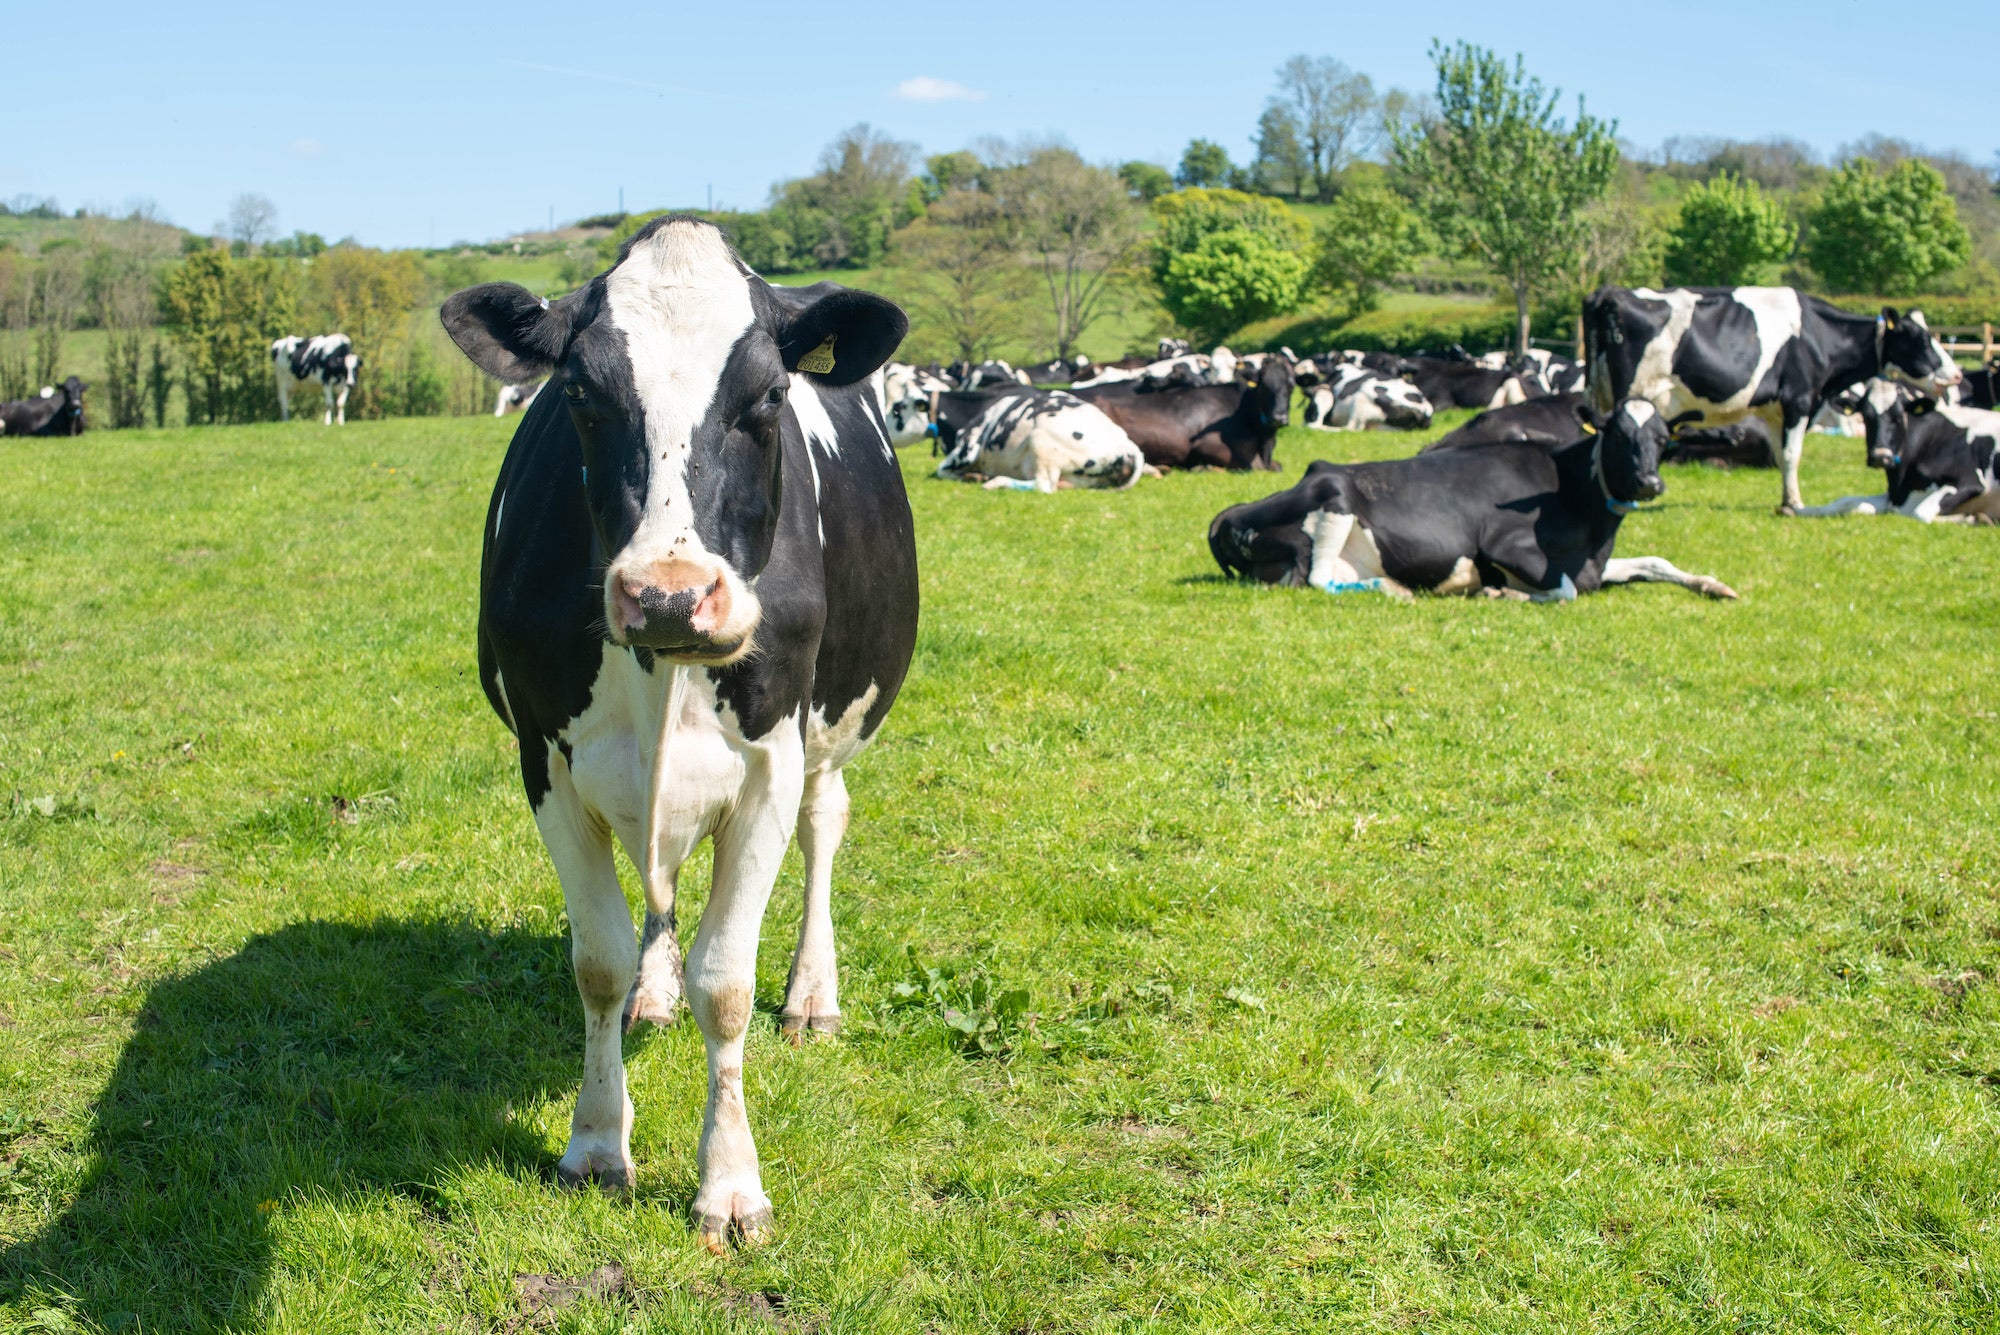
{"x": 698, "y": 600}
{"x": 1940, "y": 459}
{"x": 1552, "y": 419}
{"x": 1710, "y": 356}
{"x": 1040, "y": 438}
{"x": 1979, "y": 389}
{"x": 516, "y": 398}
{"x": 907, "y": 394}
{"x": 1059, "y": 371}
{"x": 56, "y": 411}
{"x": 1354, "y": 399}
{"x": 1537, "y": 522}
{"x": 325, "y": 359}
{"x": 1449, "y": 383}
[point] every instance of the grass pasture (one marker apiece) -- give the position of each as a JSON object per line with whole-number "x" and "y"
{"x": 1464, "y": 966}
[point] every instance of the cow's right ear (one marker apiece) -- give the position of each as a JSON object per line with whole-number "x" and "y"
{"x": 1889, "y": 317}
{"x": 508, "y": 332}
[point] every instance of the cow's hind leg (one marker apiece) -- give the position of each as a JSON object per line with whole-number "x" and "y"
{"x": 1788, "y": 439}
{"x": 605, "y": 959}
{"x": 1659, "y": 570}
{"x": 721, "y": 986}
{"x": 812, "y": 996}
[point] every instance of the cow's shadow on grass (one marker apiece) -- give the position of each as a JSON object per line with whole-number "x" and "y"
{"x": 322, "y": 1058}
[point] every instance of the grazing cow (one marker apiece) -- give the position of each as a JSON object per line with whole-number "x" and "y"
{"x": 328, "y": 360}
{"x": 56, "y": 411}
{"x": 1710, "y": 356}
{"x": 1226, "y": 426}
{"x": 516, "y": 398}
{"x": 1355, "y": 400}
{"x": 1553, "y": 419}
{"x": 1978, "y": 389}
{"x": 1536, "y": 521}
{"x": 1940, "y": 459}
{"x": 1456, "y": 384}
{"x": 1043, "y": 437}
{"x": 698, "y": 600}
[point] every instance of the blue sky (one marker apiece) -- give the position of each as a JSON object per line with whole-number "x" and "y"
{"x": 411, "y": 124}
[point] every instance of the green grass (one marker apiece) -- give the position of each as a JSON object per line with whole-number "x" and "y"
{"x": 1461, "y": 966}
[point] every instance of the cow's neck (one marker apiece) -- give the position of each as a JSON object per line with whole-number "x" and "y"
{"x": 1853, "y": 348}
{"x": 1576, "y": 466}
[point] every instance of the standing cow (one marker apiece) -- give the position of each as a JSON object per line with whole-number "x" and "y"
{"x": 1711, "y": 356}
{"x": 327, "y": 360}
{"x": 698, "y": 600}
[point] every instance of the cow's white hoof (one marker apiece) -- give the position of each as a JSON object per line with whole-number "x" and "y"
{"x": 1715, "y": 588}
{"x": 745, "y": 1222}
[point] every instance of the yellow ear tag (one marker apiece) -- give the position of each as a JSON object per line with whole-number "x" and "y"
{"x": 1589, "y": 430}
{"x": 820, "y": 360}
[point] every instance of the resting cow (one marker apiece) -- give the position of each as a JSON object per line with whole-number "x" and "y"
{"x": 1538, "y": 522}
{"x": 698, "y": 600}
{"x": 905, "y": 393}
{"x": 516, "y": 398}
{"x": 56, "y": 411}
{"x": 327, "y": 360}
{"x": 1979, "y": 389}
{"x": 1043, "y": 437}
{"x": 1353, "y": 399}
{"x": 1224, "y": 426}
{"x": 1553, "y": 419}
{"x": 1940, "y": 459}
{"x": 1711, "y": 356}
{"x": 1456, "y": 384}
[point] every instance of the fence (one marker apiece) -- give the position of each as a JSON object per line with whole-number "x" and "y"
{"x": 1953, "y": 336}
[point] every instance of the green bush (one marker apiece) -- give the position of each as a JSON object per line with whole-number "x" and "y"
{"x": 1229, "y": 279}
{"x": 1727, "y": 232}
{"x": 1892, "y": 232}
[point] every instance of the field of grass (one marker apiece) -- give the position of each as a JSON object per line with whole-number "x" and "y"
{"x": 1460, "y": 966}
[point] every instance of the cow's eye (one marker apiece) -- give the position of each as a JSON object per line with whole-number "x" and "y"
{"x": 573, "y": 392}
{"x": 776, "y": 396}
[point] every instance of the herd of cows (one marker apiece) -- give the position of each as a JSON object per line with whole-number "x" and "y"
{"x": 698, "y": 593}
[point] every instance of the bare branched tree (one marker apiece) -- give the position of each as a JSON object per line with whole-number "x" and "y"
{"x": 1079, "y": 228}
{"x": 1336, "y": 112}
{"x": 252, "y": 221}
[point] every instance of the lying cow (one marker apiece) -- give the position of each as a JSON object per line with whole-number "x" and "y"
{"x": 516, "y": 398}
{"x": 1978, "y": 389}
{"x": 1355, "y": 400}
{"x": 1711, "y": 356}
{"x": 1060, "y": 371}
{"x": 1043, "y": 437}
{"x": 56, "y": 411}
{"x": 1188, "y": 368}
{"x": 906, "y": 393}
{"x": 327, "y": 360}
{"x": 1940, "y": 460}
{"x": 1224, "y": 426}
{"x": 1553, "y": 419}
{"x": 1537, "y": 522}
{"x": 983, "y": 375}
{"x": 1456, "y": 384}
{"x": 698, "y": 601}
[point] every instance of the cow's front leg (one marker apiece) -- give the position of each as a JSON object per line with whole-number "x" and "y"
{"x": 812, "y": 996}
{"x": 605, "y": 958}
{"x": 721, "y": 985}
{"x": 1791, "y": 438}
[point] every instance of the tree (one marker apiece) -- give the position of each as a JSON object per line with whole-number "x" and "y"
{"x": 1146, "y": 181}
{"x": 1204, "y": 163}
{"x": 1886, "y": 234}
{"x": 959, "y": 259}
{"x": 369, "y": 296}
{"x": 1727, "y": 232}
{"x": 1222, "y": 258}
{"x": 1077, "y": 226}
{"x": 252, "y": 221}
{"x": 1500, "y": 176}
{"x": 1368, "y": 236}
{"x": 224, "y": 314}
{"x": 842, "y": 214}
{"x": 1282, "y": 166}
{"x": 1335, "y": 112}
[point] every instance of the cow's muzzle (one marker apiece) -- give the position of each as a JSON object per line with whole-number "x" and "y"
{"x": 1652, "y": 487}
{"x": 675, "y": 608}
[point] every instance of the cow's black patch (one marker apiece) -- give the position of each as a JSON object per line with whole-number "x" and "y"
{"x": 1717, "y": 356}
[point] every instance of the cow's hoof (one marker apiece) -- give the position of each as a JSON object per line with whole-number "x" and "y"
{"x": 651, "y": 1009}
{"x": 720, "y": 1232}
{"x": 610, "y": 1178}
{"x": 796, "y": 1027}
{"x": 1715, "y": 588}
{"x": 1786, "y": 511}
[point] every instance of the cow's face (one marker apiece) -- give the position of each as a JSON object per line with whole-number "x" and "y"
{"x": 349, "y": 366}
{"x": 1911, "y": 355}
{"x": 675, "y": 368}
{"x": 905, "y": 405}
{"x": 1628, "y": 453}
{"x": 1887, "y": 422}
{"x": 1274, "y": 391}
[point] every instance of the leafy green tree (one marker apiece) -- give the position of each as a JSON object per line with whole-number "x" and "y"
{"x": 224, "y": 313}
{"x": 1282, "y": 166}
{"x": 1204, "y": 163}
{"x": 1229, "y": 279}
{"x": 1886, "y": 234}
{"x": 1146, "y": 181}
{"x": 1076, "y": 227}
{"x": 1500, "y": 176}
{"x": 1223, "y": 258}
{"x": 1727, "y": 232}
{"x": 1368, "y": 236}
{"x": 965, "y": 286}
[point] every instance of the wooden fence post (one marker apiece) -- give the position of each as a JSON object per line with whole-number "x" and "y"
{"x": 1986, "y": 341}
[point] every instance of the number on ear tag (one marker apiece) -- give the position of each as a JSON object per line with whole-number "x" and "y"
{"x": 820, "y": 360}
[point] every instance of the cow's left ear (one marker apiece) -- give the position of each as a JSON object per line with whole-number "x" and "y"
{"x": 1889, "y": 317}
{"x": 843, "y": 336}
{"x": 509, "y": 332}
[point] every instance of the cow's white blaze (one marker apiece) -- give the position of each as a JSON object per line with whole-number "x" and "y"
{"x": 682, "y": 303}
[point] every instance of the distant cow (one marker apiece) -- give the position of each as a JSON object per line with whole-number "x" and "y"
{"x": 1940, "y": 459}
{"x": 1058, "y": 372}
{"x": 1456, "y": 384}
{"x": 1044, "y": 437}
{"x": 56, "y": 411}
{"x": 983, "y": 375}
{"x": 325, "y": 359}
{"x": 516, "y": 398}
{"x": 1709, "y": 356}
{"x": 1537, "y": 522}
{"x": 1226, "y": 426}
{"x": 1553, "y": 419}
{"x": 1354, "y": 399}
{"x": 1978, "y": 389}
{"x": 906, "y": 393}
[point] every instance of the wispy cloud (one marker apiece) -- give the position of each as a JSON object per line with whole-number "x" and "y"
{"x": 924, "y": 88}
{"x": 307, "y": 148}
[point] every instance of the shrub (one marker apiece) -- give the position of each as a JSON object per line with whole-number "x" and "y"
{"x": 1228, "y": 279}
{"x": 1368, "y": 236}
{"x": 1728, "y": 231}
{"x": 1886, "y": 233}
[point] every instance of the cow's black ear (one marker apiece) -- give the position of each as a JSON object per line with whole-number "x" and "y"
{"x": 1921, "y": 405}
{"x": 843, "y": 336}
{"x": 508, "y": 331}
{"x": 1889, "y": 316}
